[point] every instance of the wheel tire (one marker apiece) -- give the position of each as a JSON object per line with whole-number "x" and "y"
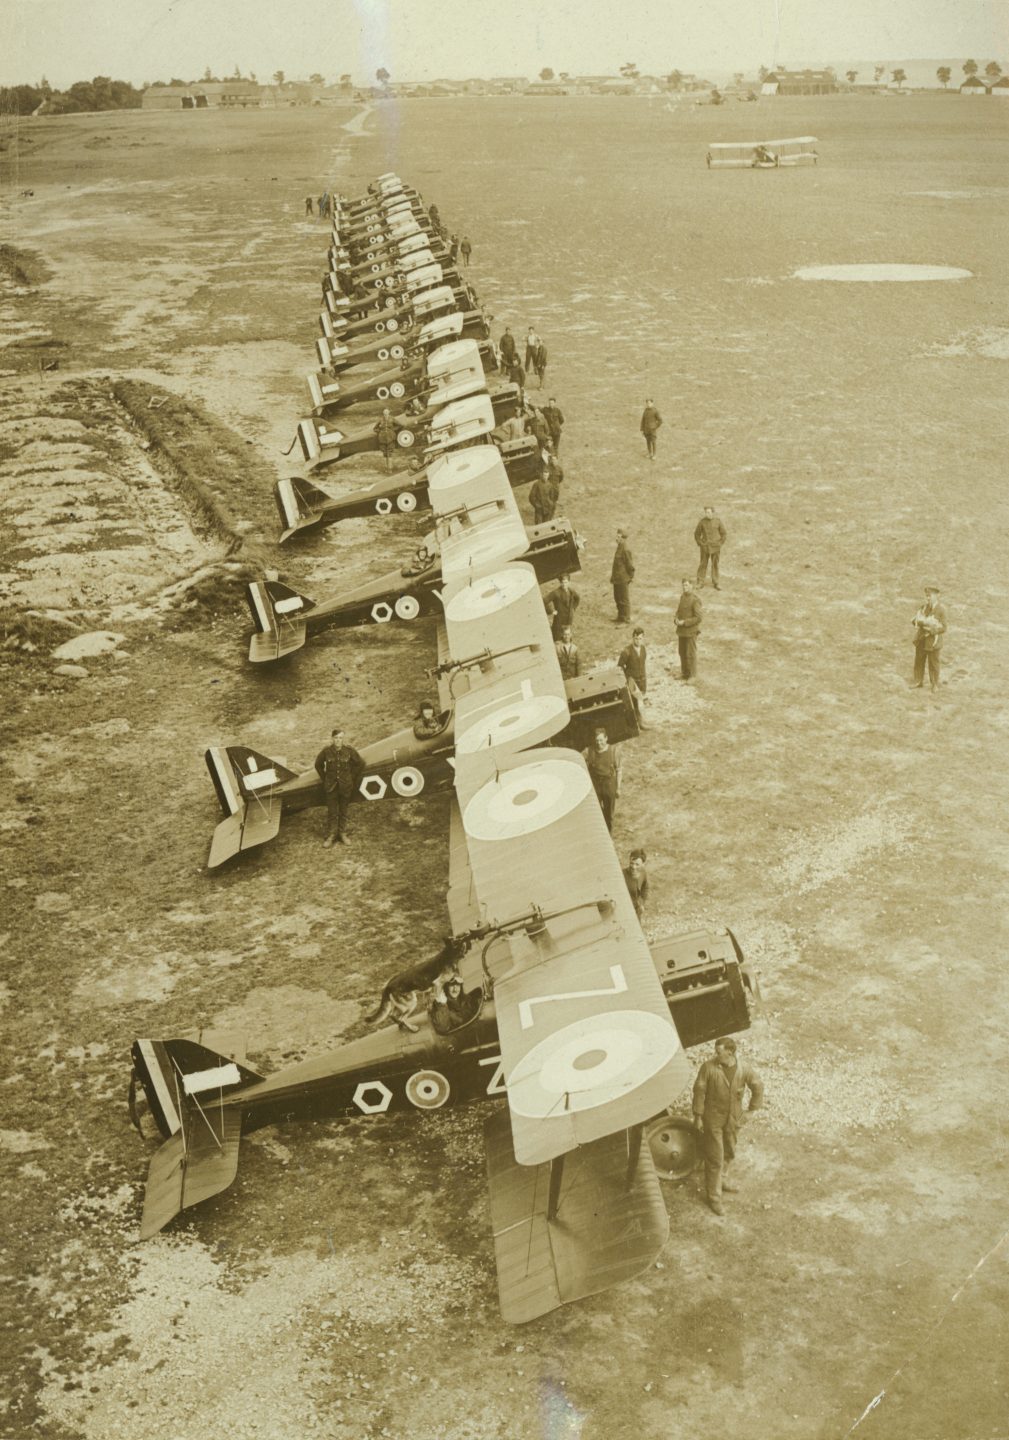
{"x": 674, "y": 1147}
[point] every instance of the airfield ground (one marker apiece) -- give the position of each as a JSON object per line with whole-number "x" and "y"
{"x": 852, "y": 832}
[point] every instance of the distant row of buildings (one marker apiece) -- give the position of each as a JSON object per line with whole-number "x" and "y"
{"x": 245, "y": 94}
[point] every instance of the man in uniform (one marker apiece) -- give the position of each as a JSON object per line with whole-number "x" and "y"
{"x": 650, "y": 422}
{"x": 718, "y": 1109}
{"x": 340, "y": 768}
{"x": 507, "y": 349}
{"x": 567, "y": 655}
{"x": 561, "y": 605}
{"x": 533, "y": 343}
{"x": 929, "y": 628}
{"x": 465, "y": 249}
{"x": 688, "y": 625}
{"x": 543, "y": 494}
{"x": 633, "y": 660}
{"x": 621, "y": 575}
{"x": 555, "y": 422}
{"x": 710, "y": 537}
{"x": 385, "y": 433}
{"x": 603, "y": 761}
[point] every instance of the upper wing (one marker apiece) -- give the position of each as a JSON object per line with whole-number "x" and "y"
{"x": 587, "y": 1041}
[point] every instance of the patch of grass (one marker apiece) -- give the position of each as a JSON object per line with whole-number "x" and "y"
{"x": 44, "y": 631}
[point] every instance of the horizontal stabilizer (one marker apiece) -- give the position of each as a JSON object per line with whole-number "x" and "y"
{"x": 299, "y": 504}
{"x": 563, "y": 1233}
{"x": 192, "y": 1166}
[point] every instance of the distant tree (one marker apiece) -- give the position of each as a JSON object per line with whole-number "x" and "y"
{"x": 20, "y": 99}
{"x": 345, "y": 81}
{"x": 629, "y": 70}
{"x": 898, "y": 76}
{"x": 236, "y": 74}
{"x": 763, "y": 73}
{"x": 738, "y": 79}
{"x": 207, "y": 74}
{"x": 45, "y": 87}
{"x": 564, "y": 75}
{"x": 970, "y": 67}
{"x": 993, "y": 70}
{"x": 878, "y": 73}
{"x": 674, "y": 80}
{"x": 546, "y": 73}
{"x": 942, "y": 75}
{"x": 851, "y": 76}
{"x": 278, "y": 77}
{"x": 316, "y": 79}
{"x": 382, "y": 76}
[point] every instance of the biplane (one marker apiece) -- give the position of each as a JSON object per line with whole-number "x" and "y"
{"x": 302, "y": 505}
{"x": 467, "y": 421}
{"x": 762, "y": 154}
{"x": 558, "y": 1006}
{"x": 380, "y": 318}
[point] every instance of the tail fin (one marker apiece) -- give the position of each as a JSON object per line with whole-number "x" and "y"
{"x": 245, "y": 782}
{"x": 278, "y": 614}
{"x": 299, "y": 503}
{"x": 190, "y": 1088}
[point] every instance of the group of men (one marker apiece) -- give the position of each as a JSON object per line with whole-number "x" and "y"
{"x": 535, "y": 357}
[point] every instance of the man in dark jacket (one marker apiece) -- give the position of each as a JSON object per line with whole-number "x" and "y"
{"x": 507, "y": 348}
{"x": 718, "y": 1110}
{"x": 633, "y": 660}
{"x": 688, "y": 625}
{"x": 603, "y": 761}
{"x": 561, "y": 605}
{"x": 621, "y": 575}
{"x": 465, "y": 249}
{"x": 543, "y": 495}
{"x": 636, "y": 879}
{"x": 537, "y": 425}
{"x": 710, "y": 537}
{"x": 340, "y": 768}
{"x": 929, "y": 628}
{"x": 650, "y": 422}
{"x": 555, "y": 423}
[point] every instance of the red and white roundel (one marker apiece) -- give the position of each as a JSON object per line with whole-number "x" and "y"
{"x": 427, "y": 1089}
{"x": 526, "y": 799}
{"x": 591, "y": 1062}
{"x": 406, "y": 501}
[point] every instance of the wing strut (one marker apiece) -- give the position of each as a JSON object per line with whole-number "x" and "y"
{"x": 556, "y": 1176}
{"x": 633, "y": 1151}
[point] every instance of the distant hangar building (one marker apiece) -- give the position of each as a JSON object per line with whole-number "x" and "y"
{"x": 202, "y": 95}
{"x": 800, "y": 82}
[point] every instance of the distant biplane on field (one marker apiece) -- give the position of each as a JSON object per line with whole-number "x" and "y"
{"x": 549, "y": 996}
{"x": 762, "y": 154}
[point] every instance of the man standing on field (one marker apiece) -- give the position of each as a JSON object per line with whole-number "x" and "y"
{"x": 688, "y": 625}
{"x": 718, "y": 1112}
{"x": 929, "y": 628}
{"x": 621, "y": 575}
{"x": 650, "y": 422}
{"x": 710, "y": 537}
{"x": 340, "y": 768}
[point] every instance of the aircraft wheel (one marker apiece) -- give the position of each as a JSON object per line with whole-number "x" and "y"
{"x": 673, "y": 1142}
{"x": 405, "y": 439}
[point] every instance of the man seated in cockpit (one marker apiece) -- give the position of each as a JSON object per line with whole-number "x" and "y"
{"x": 422, "y": 560}
{"x": 427, "y": 723}
{"x": 453, "y": 1006}
{"x": 763, "y": 156}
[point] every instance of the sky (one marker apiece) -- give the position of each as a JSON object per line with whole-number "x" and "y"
{"x": 148, "y": 40}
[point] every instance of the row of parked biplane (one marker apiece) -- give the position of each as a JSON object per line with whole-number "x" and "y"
{"x": 546, "y": 993}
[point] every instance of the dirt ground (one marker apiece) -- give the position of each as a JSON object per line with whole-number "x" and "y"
{"x": 851, "y": 831}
